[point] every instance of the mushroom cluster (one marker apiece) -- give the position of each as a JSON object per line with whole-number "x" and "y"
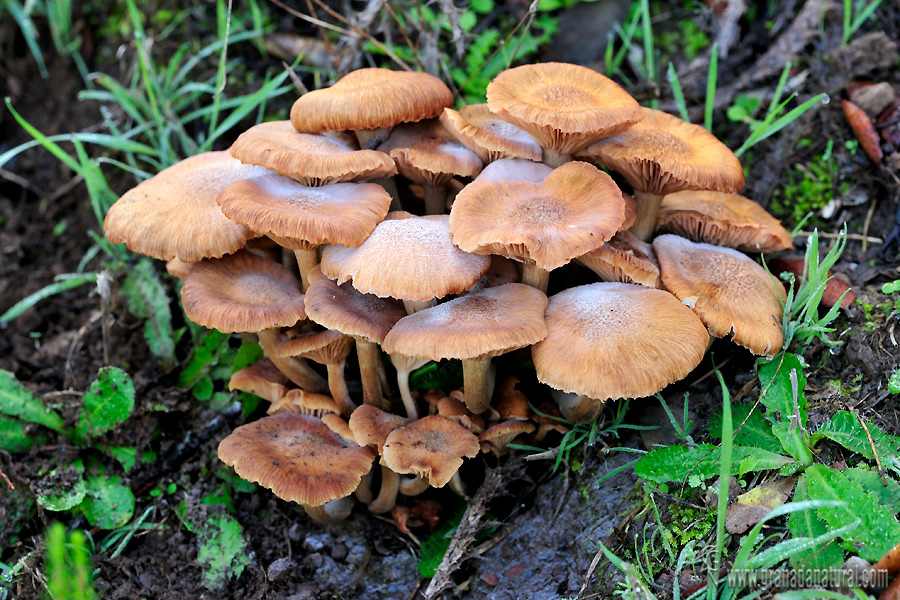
{"x": 301, "y": 235}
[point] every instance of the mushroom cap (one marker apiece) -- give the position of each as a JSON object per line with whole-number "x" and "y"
{"x": 174, "y": 213}
{"x": 297, "y": 457}
{"x": 564, "y": 107}
{"x": 337, "y": 424}
{"x": 309, "y": 159}
{"x": 324, "y": 347}
{"x": 427, "y": 154}
{"x": 624, "y": 258}
{"x": 306, "y": 403}
{"x": 371, "y": 426}
{"x": 573, "y": 211}
{"x": 489, "y": 136}
{"x": 369, "y": 99}
{"x": 455, "y": 409}
{"x": 508, "y": 402}
{"x": 406, "y": 257}
{"x": 341, "y": 213}
{"x": 487, "y": 323}
{"x": 499, "y": 435}
{"x": 344, "y": 308}
{"x": 723, "y": 220}
{"x": 514, "y": 169}
{"x": 663, "y": 154}
{"x": 431, "y": 447}
{"x": 728, "y": 291}
{"x": 617, "y": 340}
{"x": 262, "y": 378}
{"x": 242, "y": 293}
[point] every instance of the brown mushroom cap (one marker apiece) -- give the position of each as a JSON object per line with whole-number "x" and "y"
{"x": 723, "y": 220}
{"x": 409, "y": 258}
{"x": 297, "y": 457}
{"x": 427, "y": 154}
{"x": 306, "y": 403}
{"x": 371, "y": 426}
{"x": 617, "y": 340}
{"x": 489, "y": 136}
{"x": 663, "y": 154}
{"x": 242, "y": 293}
{"x": 369, "y": 99}
{"x": 573, "y": 211}
{"x": 626, "y": 259}
{"x": 262, "y": 378}
{"x": 311, "y": 160}
{"x": 174, "y": 214}
{"x": 728, "y": 291}
{"x": 565, "y": 107}
{"x": 455, "y": 410}
{"x": 324, "y": 347}
{"x": 499, "y": 435}
{"x": 342, "y": 213}
{"x": 431, "y": 447}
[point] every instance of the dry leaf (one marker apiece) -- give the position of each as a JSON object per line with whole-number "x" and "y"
{"x": 864, "y": 130}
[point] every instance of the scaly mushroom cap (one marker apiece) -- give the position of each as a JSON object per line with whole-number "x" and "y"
{"x": 242, "y": 293}
{"x": 489, "y": 136}
{"x": 723, "y": 220}
{"x": 343, "y": 308}
{"x": 311, "y": 160}
{"x": 262, "y": 378}
{"x": 297, "y": 457}
{"x": 617, "y": 340}
{"x": 663, "y": 154}
{"x": 431, "y": 447}
{"x": 487, "y": 323}
{"x": 728, "y": 291}
{"x": 371, "y": 426}
{"x": 626, "y": 259}
{"x": 174, "y": 213}
{"x": 565, "y": 107}
{"x": 369, "y": 99}
{"x": 342, "y": 213}
{"x": 406, "y": 257}
{"x": 573, "y": 211}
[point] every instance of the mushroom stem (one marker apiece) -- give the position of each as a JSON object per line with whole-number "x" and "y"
{"x": 577, "y": 408}
{"x": 457, "y": 485}
{"x": 331, "y": 513}
{"x": 647, "y": 212}
{"x": 408, "y": 401}
{"x": 390, "y": 186}
{"x": 387, "y": 496}
{"x": 337, "y": 385}
{"x": 435, "y": 199}
{"x": 536, "y": 277}
{"x": 295, "y": 369}
{"x": 476, "y": 382}
{"x": 553, "y": 158}
{"x": 307, "y": 258}
{"x": 414, "y": 306}
{"x": 413, "y": 486}
{"x": 367, "y": 353}
{"x": 369, "y": 139}
{"x": 362, "y": 492}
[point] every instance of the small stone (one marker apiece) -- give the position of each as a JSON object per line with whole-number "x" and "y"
{"x": 279, "y": 569}
{"x": 313, "y": 561}
{"x": 490, "y": 578}
{"x": 294, "y": 533}
{"x": 339, "y": 551}
{"x": 316, "y": 543}
{"x": 146, "y": 580}
{"x": 893, "y": 161}
{"x": 873, "y": 99}
{"x": 305, "y": 591}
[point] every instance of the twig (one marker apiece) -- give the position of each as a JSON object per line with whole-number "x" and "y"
{"x": 868, "y": 220}
{"x": 362, "y": 568}
{"x": 871, "y": 444}
{"x": 6, "y": 479}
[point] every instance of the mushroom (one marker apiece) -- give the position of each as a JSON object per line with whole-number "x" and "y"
{"x": 329, "y": 348}
{"x": 624, "y": 258}
{"x": 432, "y": 447}
{"x": 371, "y": 427}
{"x": 262, "y": 378}
{"x": 489, "y": 136}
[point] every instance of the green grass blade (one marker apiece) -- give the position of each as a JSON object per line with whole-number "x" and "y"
{"x": 63, "y": 283}
{"x": 779, "y": 124}
{"x": 711, "y": 87}
{"x": 677, "y": 93}
{"x": 26, "y": 27}
{"x": 724, "y": 481}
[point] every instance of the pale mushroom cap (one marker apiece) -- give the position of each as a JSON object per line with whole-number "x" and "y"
{"x": 431, "y": 447}
{"x": 297, "y": 457}
{"x": 624, "y": 258}
{"x": 174, "y": 214}
{"x": 489, "y": 136}
{"x": 487, "y": 323}
{"x": 515, "y": 169}
{"x": 573, "y": 211}
{"x": 310, "y": 159}
{"x": 371, "y": 426}
{"x": 409, "y": 258}
{"x": 369, "y": 99}
{"x": 346, "y": 309}
{"x": 617, "y": 340}
{"x": 663, "y": 154}
{"x": 434, "y": 161}
{"x": 341, "y": 213}
{"x": 728, "y": 291}
{"x": 242, "y": 293}
{"x": 723, "y": 220}
{"x": 565, "y": 107}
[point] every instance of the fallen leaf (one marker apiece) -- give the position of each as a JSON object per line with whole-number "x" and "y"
{"x": 834, "y": 289}
{"x": 863, "y": 130}
{"x": 752, "y": 507}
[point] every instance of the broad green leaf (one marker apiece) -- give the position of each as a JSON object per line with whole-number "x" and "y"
{"x": 878, "y": 531}
{"x": 756, "y": 432}
{"x": 203, "y": 358}
{"x": 845, "y": 429}
{"x": 783, "y": 382}
{"x": 222, "y": 551}
{"x": 445, "y": 375}
{"x": 806, "y": 523}
{"x": 887, "y": 490}
{"x": 108, "y": 402}
{"x": 13, "y": 437}
{"x": 147, "y": 298}
{"x": 677, "y": 463}
{"x": 16, "y": 401}
{"x": 248, "y": 354}
{"x": 124, "y": 455}
{"x": 63, "y": 488}
{"x": 108, "y": 504}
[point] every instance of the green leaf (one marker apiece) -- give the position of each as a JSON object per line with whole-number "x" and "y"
{"x": 16, "y": 401}
{"x": 108, "y": 504}
{"x": 204, "y": 357}
{"x": 445, "y": 375}
{"x": 61, "y": 284}
{"x": 108, "y": 402}
{"x": 894, "y": 382}
{"x": 124, "y": 455}
{"x": 248, "y": 354}
{"x": 845, "y": 429}
{"x": 63, "y": 488}
{"x": 783, "y": 383}
{"x": 756, "y": 432}
{"x": 878, "y": 531}
{"x": 222, "y": 551}
{"x": 13, "y": 437}
{"x": 677, "y": 463}
{"x": 887, "y": 490}
{"x": 147, "y": 298}
{"x": 806, "y": 523}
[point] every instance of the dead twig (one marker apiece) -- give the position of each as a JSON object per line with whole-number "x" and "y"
{"x": 871, "y": 444}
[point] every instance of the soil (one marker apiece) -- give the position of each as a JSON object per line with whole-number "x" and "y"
{"x": 547, "y": 523}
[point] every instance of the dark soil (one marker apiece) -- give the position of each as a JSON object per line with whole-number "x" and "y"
{"x": 548, "y": 525}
